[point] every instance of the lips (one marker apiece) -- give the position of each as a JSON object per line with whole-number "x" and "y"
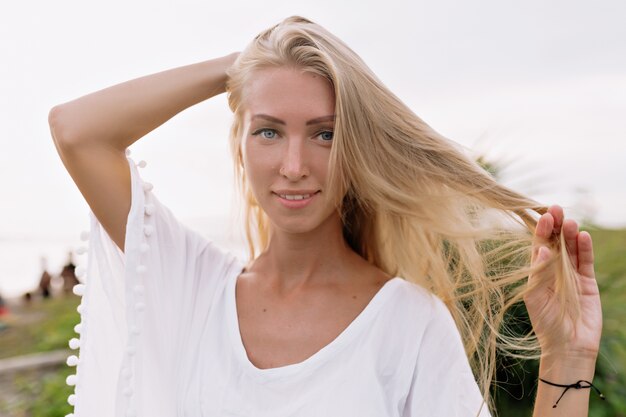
{"x": 296, "y": 198}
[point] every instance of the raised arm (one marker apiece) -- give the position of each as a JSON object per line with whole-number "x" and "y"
{"x": 92, "y": 132}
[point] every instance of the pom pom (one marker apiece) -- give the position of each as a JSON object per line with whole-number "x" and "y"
{"x": 72, "y": 360}
{"x": 147, "y": 186}
{"x": 141, "y": 269}
{"x": 79, "y": 289}
{"x": 71, "y": 380}
{"x": 148, "y": 229}
{"x": 127, "y": 152}
{"x": 79, "y": 271}
{"x": 128, "y": 391}
{"x": 74, "y": 343}
{"x": 126, "y": 373}
{"x": 130, "y": 351}
{"x": 78, "y": 328}
{"x": 71, "y": 399}
{"x": 80, "y": 309}
{"x": 81, "y": 250}
{"x": 134, "y": 330}
{"x": 140, "y": 307}
{"x": 142, "y": 164}
{"x": 84, "y": 235}
{"x": 149, "y": 209}
{"x": 144, "y": 247}
{"x": 138, "y": 289}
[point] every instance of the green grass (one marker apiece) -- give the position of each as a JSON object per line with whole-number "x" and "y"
{"x": 41, "y": 326}
{"x": 47, "y": 325}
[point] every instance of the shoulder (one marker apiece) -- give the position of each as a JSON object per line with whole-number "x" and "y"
{"x": 422, "y": 314}
{"x": 412, "y": 298}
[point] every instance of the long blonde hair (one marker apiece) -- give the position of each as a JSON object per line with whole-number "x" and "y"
{"x": 412, "y": 203}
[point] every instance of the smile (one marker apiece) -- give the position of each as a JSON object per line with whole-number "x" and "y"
{"x": 295, "y": 200}
{"x": 294, "y": 196}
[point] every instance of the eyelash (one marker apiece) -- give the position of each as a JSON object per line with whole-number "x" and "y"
{"x": 265, "y": 129}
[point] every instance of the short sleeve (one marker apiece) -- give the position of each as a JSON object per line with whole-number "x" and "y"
{"x": 443, "y": 384}
{"x": 143, "y": 310}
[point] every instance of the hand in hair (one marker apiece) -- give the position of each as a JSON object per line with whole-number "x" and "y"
{"x": 564, "y": 327}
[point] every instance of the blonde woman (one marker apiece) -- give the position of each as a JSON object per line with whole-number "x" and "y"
{"x": 374, "y": 287}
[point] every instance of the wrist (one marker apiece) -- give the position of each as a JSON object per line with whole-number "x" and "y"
{"x": 567, "y": 368}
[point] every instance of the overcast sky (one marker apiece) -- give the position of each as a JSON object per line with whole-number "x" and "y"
{"x": 539, "y": 85}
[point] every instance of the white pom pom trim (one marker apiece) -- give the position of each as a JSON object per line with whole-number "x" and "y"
{"x": 71, "y": 380}
{"x": 149, "y": 209}
{"x": 74, "y": 343}
{"x": 79, "y": 289}
{"x": 80, "y": 271}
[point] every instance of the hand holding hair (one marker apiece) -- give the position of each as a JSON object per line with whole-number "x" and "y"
{"x": 568, "y": 331}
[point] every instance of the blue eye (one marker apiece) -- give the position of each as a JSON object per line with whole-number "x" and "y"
{"x": 326, "y": 136}
{"x": 266, "y": 133}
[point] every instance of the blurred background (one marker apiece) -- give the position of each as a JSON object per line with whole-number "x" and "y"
{"x": 536, "y": 89}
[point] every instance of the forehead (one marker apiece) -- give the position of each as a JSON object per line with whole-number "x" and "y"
{"x": 284, "y": 92}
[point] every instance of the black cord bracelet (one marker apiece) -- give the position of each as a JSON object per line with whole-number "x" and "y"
{"x": 577, "y": 385}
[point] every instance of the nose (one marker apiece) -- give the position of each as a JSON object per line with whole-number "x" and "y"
{"x": 294, "y": 166}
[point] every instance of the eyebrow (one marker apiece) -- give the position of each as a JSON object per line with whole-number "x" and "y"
{"x": 317, "y": 120}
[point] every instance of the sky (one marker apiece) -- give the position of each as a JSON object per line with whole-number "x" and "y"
{"x": 539, "y": 86}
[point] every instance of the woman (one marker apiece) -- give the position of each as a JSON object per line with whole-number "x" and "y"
{"x": 375, "y": 285}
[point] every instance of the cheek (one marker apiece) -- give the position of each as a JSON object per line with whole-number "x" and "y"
{"x": 320, "y": 161}
{"x": 260, "y": 162}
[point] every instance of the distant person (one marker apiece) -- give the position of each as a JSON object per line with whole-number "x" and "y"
{"x": 45, "y": 280}
{"x": 27, "y": 297}
{"x": 372, "y": 288}
{"x": 68, "y": 273}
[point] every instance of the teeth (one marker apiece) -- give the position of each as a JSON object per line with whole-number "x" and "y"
{"x": 295, "y": 196}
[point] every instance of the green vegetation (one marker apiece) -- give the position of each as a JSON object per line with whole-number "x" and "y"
{"x": 43, "y": 326}
{"x": 40, "y": 395}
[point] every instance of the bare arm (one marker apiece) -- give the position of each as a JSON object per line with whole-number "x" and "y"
{"x": 92, "y": 132}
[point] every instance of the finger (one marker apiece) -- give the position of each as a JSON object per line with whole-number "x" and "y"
{"x": 585, "y": 255}
{"x": 557, "y": 212}
{"x": 543, "y": 231}
{"x": 570, "y": 234}
{"x": 543, "y": 279}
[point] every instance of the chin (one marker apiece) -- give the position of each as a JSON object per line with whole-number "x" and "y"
{"x": 295, "y": 226}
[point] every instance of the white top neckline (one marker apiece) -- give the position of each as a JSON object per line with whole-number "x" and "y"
{"x": 302, "y": 368}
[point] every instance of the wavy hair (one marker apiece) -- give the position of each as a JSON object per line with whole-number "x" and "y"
{"x": 412, "y": 202}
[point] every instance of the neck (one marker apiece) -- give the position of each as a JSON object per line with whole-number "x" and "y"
{"x": 294, "y": 261}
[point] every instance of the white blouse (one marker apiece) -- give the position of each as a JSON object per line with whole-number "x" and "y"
{"x": 159, "y": 336}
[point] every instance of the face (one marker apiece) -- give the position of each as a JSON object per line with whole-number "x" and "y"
{"x": 288, "y": 126}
